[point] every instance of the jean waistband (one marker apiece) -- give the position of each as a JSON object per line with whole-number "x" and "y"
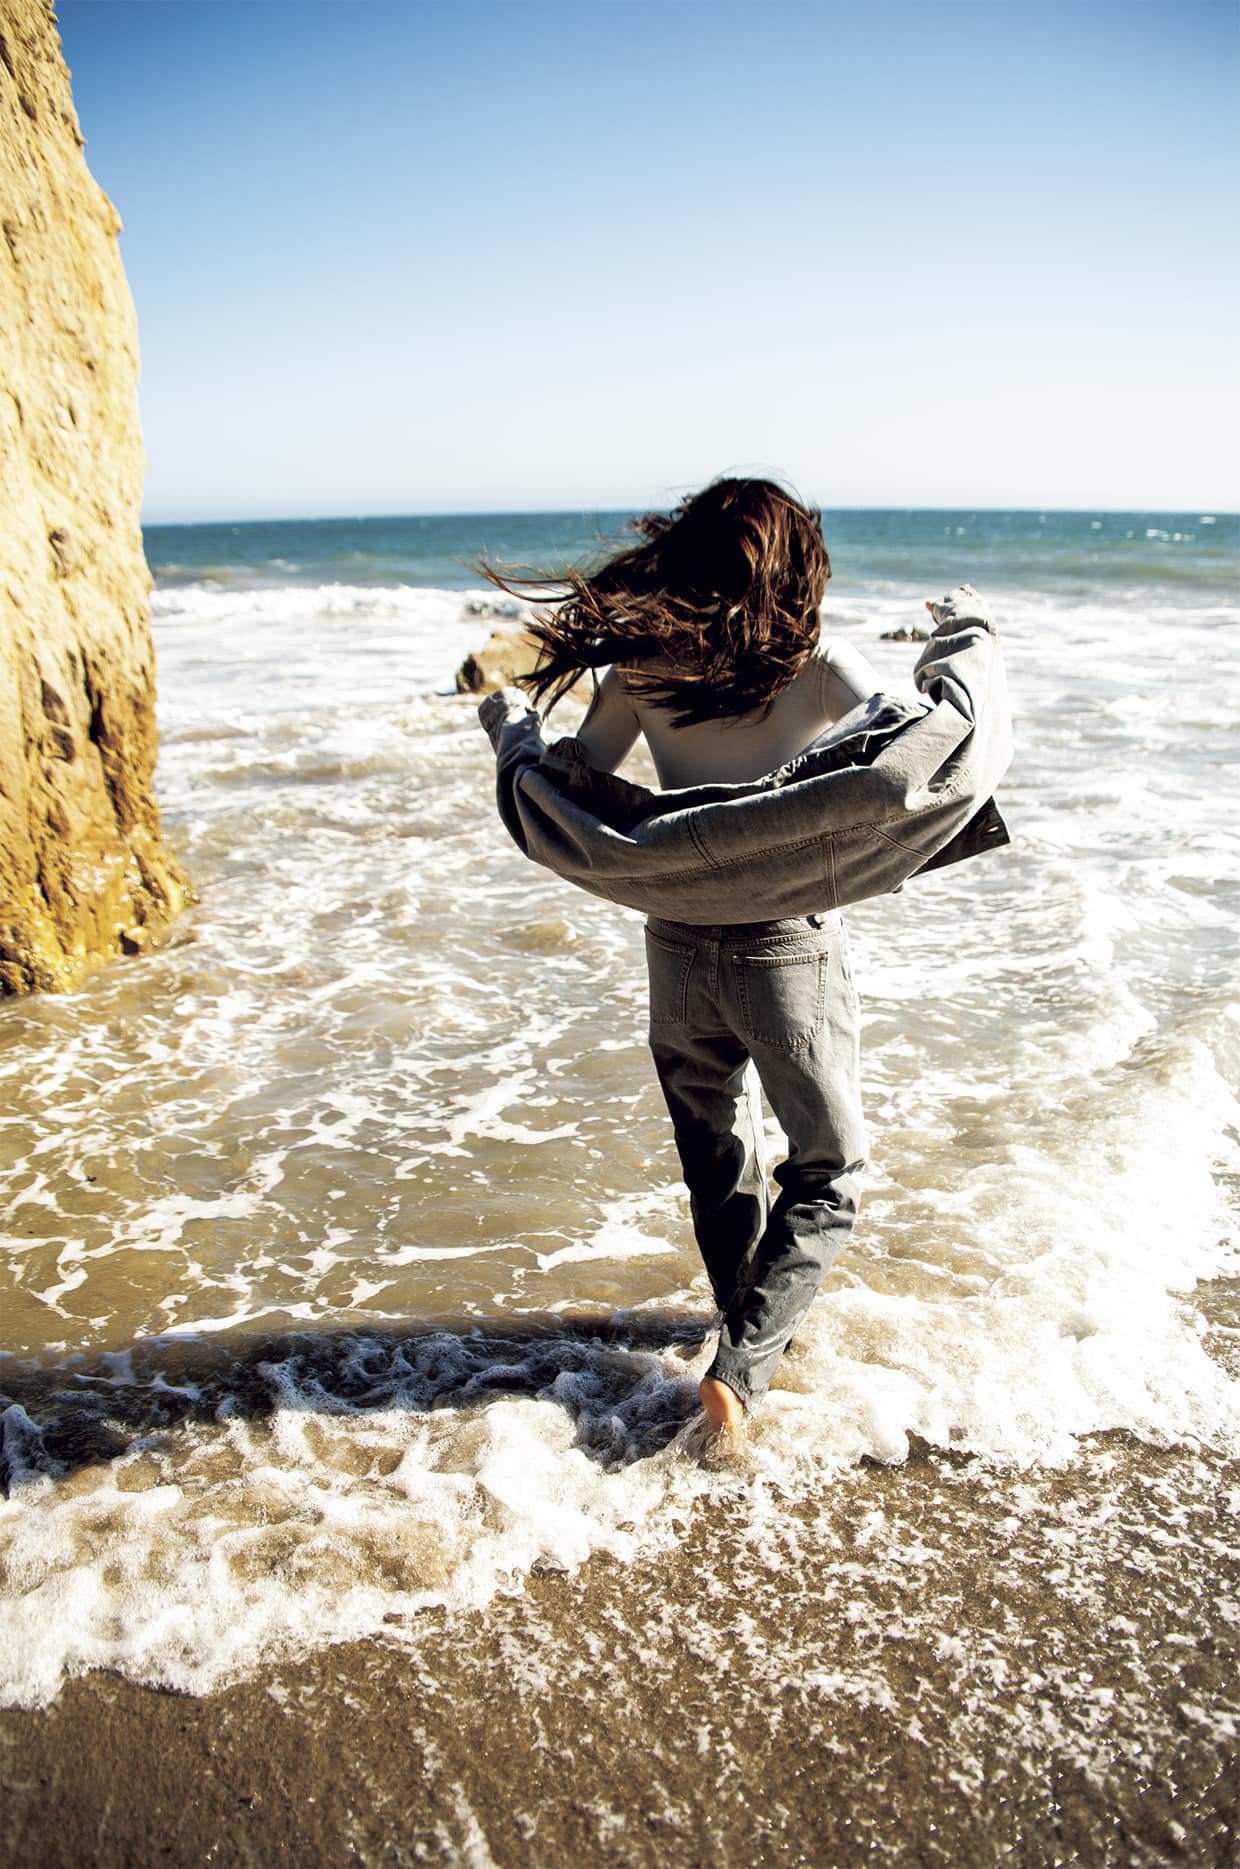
{"x": 744, "y": 931}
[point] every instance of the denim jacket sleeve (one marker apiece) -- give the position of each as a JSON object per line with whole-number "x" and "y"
{"x": 893, "y": 789}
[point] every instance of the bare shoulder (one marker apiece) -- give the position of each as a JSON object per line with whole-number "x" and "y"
{"x": 846, "y": 676}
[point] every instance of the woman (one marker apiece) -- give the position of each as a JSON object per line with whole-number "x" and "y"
{"x": 709, "y": 632}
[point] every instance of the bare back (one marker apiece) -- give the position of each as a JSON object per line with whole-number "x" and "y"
{"x": 834, "y": 681}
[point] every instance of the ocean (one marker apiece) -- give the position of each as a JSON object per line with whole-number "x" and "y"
{"x": 348, "y": 1283}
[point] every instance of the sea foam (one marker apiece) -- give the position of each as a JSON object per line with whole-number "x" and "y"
{"x": 349, "y": 1268}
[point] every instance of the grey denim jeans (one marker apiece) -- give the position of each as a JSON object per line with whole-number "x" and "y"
{"x": 775, "y": 999}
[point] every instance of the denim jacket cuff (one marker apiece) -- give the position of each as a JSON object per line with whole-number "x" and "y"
{"x": 959, "y": 609}
{"x": 499, "y": 708}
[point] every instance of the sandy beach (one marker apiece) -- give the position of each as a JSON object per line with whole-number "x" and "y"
{"x": 945, "y": 1666}
{"x": 356, "y": 1317}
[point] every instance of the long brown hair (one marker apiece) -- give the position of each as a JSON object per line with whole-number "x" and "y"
{"x": 725, "y": 592}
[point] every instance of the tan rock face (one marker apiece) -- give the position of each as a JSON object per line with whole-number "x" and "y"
{"x": 509, "y": 654}
{"x": 83, "y": 870}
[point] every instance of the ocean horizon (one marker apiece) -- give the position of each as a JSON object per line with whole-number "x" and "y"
{"x": 1004, "y": 545}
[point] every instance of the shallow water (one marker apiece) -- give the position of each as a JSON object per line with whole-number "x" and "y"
{"x": 347, "y": 1271}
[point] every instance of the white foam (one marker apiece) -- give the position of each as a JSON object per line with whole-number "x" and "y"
{"x": 620, "y": 1236}
{"x": 285, "y": 603}
{"x": 387, "y": 1072}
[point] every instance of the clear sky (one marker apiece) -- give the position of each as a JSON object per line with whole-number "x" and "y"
{"x": 476, "y": 255}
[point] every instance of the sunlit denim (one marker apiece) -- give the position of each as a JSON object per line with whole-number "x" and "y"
{"x": 896, "y": 788}
{"x": 775, "y": 999}
{"x": 748, "y": 956}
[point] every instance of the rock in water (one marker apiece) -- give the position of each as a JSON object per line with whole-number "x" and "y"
{"x": 84, "y": 873}
{"x": 508, "y": 654}
{"x": 501, "y": 662}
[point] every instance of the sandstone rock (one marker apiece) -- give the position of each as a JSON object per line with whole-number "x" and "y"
{"x": 509, "y": 654}
{"x": 83, "y": 870}
{"x": 905, "y": 634}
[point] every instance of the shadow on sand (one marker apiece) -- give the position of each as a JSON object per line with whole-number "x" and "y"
{"x": 94, "y": 1407}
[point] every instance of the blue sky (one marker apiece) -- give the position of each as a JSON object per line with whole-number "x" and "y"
{"x": 475, "y": 255}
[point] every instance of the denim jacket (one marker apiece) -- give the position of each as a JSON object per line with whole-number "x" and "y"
{"x": 892, "y": 790}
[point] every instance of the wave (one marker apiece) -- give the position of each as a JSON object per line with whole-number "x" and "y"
{"x": 376, "y": 1211}
{"x": 191, "y": 1506}
{"x": 211, "y": 602}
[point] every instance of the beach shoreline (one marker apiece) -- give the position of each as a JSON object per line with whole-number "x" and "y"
{"x": 932, "y": 1692}
{"x": 351, "y": 1273}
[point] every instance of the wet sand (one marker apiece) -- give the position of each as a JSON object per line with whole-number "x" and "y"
{"x": 931, "y": 1664}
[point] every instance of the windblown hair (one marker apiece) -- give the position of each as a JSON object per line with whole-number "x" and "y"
{"x": 720, "y": 599}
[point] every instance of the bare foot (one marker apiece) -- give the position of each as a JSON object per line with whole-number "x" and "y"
{"x": 724, "y": 1409}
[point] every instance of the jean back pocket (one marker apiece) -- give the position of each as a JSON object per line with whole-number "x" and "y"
{"x": 669, "y": 964}
{"x": 782, "y": 997}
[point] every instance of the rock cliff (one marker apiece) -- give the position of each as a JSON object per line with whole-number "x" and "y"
{"x": 83, "y": 870}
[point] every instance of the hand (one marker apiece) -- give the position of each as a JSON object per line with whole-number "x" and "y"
{"x": 500, "y": 706}
{"x": 962, "y": 600}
